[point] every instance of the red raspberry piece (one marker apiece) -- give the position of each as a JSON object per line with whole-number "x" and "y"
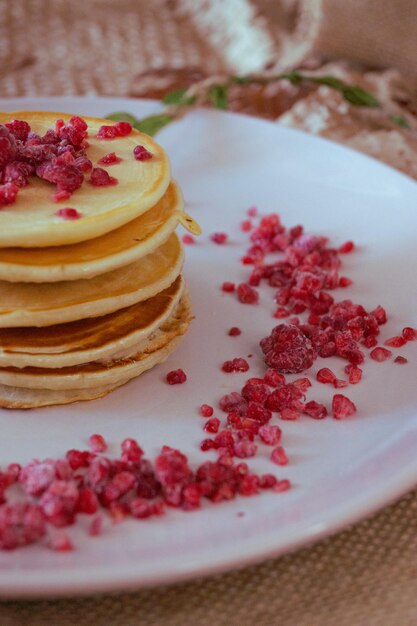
{"x": 97, "y": 443}
{"x": 247, "y": 294}
{"x": 380, "y": 354}
{"x": 207, "y": 444}
{"x": 219, "y": 238}
{"x": 288, "y": 349}
{"x": 101, "y": 178}
{"x": 21, "y": 523}
{"x": 8, "y": 193}
{"x": 87, "y": 501}
{"x": 8, "y": 146}
{"x": 109, "y": 159}
{"x": 18, "y": 173}
{"x": 19, "y": 128}
{"x": 342, "y": 407}
{"x": 96, "y": 526}
{"x": 131, "y": 451}
{"x": 141, "y": 153}
{"x": 188, "y": 239}
{"x": 235, "y": 365}
{"x": 340, "y": 384}
{"x": 234, "y": 331}
{"x": 274, "y": 378}
{"x": 123, "y": 128}
{"x": 354, "y": 373}
{"x": 409, "y": 334}
{"x": 228, "y": 287}
{"x": 206, "y": 410}
{"x": 279, "y": 456}
{"x": 325, "y": 375}
{"x": 346, "y": 247}
{"x": 68, "y": 213}
{"x": 244, "y": 449}
{"x": 270, "y": 434}
{"x": 344, "y": 282}
{"x": 176, "y": 377}
{"x": 401, "y": 360}
{"x": 252, "y": 211}
{"x": 282, "y": 485}
{"x": 289, "y": 414}
{"x": 212, "y": 425}
{"x": 395, "y": 342}
{"x": 60, "y": 542}
{"x": 315, "y": 410}
{"x": 107, "y": 132}
{"x": 246, "y": 225}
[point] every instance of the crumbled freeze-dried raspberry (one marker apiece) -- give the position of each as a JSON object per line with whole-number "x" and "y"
{"x": 345, "y": 282}
{"x": 233, "y": 402}
{"x": 325, "y": 375}
{"x": 59, "y": 501}
{"x": 60, "y": 542}
{"x": 87, "y": 501}
{"x": 219, "y": 238}
{"x": 279, "y": 456}
{"x": 101, "y": 178}
{"x": 212, "y": 425}
{"x": 395, "y": 342}
{"x": 18, "y": 173}
{"x": 281, "y": 486}
{"x": 354, "y": 373}
{"x": 176, "y": 377}
{"x": 247, "y": 294}
{"x": 141, "y": 153}
{"x": 206, "y": 410}
{"x": 400, "y": 359}
{"x": 235, "y": 365}
{"x": 409, "y": 334}
{"x": 315, "y": 410}
{"x": 36, "y": 476}
{"x": 246, "y": 225}
{"x": 288, "y": 349}
{"x": 346, "y": 247}
{"x": 228, "y": 287}
{"x": 68, "y": 213}
{"x": 8, "y": 146}
{"x": 123, "y": 128}
{"x": 342, "y": 407}
{"x": 107, "y": 132}
{"x": 252, "y": 211}
{"x": 274, "y": 378}
{"x": 338, "y": 383}
{"x": 234, "y": 331}
{"x": 97, "y": 443}
{"x": 19, "y": 128}
{"x": 96, "y": 526}
{"x": 289, "y": 414}
{"x": 380, "y": 354}
{"x": 270, "y": 434}
{"x": 131, "y": 451}
{"x": 109, "y": 159}
{"x": 188, "y": 239}
{"x": 8, "y": 193}
{"x": 21, "y": 523}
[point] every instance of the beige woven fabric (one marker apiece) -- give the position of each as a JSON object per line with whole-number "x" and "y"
{"x": 365, "y": 576}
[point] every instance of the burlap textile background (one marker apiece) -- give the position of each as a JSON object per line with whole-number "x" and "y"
{"x": 365, "y": 576}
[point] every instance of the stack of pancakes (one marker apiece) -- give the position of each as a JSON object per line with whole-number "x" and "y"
{"x": 87, "y": 304}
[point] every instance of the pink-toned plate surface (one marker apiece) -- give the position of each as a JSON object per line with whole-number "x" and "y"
{"x": 341, "y": 471}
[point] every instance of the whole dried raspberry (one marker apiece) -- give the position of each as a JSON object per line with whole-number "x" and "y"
{"x": 287, "y": 349}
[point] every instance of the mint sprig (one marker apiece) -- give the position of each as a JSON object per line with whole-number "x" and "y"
{"x": 179, "y": 101}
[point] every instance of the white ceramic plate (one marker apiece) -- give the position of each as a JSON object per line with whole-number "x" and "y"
{"x": 341, "y": 471}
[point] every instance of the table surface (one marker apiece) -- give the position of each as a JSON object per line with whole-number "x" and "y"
{"x": 363, "y": 576}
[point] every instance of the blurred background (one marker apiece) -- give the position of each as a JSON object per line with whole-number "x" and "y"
{"x": 146, "y": 49}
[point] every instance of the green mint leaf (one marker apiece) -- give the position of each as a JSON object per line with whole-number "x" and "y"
{"x": 359, "y": 97}
{"x": 218, "y": 96}
{"x": 241, "y": 80}
{"x": 329, "y": 81}
{"x": 122, "y": 116}
{"x": 178, "y": 97}
{"x": 152, "y": 124}
{"x": 294, "y": 77}
{"x": 400, "y": 121}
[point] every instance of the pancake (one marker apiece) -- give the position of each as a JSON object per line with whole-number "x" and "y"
{"x": 90, "y": 339}
{"x": 103, "y": 254}
{"x": 31, "y": 220}
{"x": 45, "y": 304}
{"x": 94, "y": 378}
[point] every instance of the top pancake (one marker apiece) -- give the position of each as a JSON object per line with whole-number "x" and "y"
{"x": 31, "y": 220}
